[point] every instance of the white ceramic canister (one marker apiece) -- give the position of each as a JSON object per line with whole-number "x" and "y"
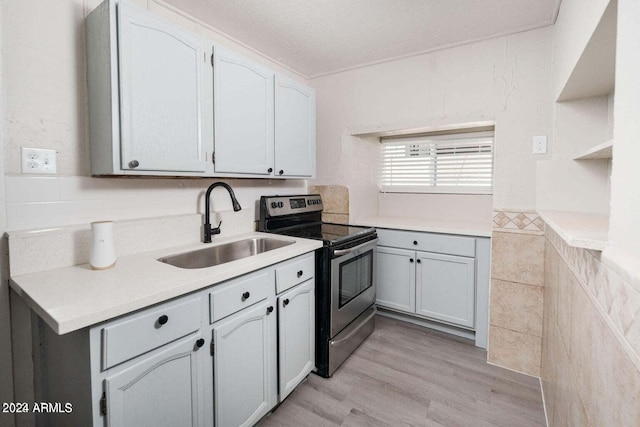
{"x": 103, "y": 254}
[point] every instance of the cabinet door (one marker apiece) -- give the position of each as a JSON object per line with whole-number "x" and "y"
{"x": 162, "y": 389}
{"x": 446, "y": 288}
{"x": 160, "y": 95}
{"x": 244, "y": 371}
{"x": 396, "y": 285}
{"x": 296, "y": 336}
{"x": 295, "y": 128}
{"x": 243, "y": 112}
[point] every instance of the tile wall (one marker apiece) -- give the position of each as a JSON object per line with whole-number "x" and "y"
{"x": 335, "y": 202}
{"x": 36, "y": 202}
{"x": 516, "y": 296}
{"x": 591, "y": 346}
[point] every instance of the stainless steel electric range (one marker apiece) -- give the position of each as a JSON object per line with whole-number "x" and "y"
{"x": 345, "y": 274}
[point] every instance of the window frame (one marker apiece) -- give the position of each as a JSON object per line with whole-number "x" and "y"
{"x": 441, "y": 144}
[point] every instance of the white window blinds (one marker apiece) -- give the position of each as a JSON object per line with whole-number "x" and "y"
{"x": 451, "y": 163}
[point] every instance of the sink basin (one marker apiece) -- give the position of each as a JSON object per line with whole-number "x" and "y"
{"x": 228, "y": 252}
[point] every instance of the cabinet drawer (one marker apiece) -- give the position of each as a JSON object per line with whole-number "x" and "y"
{"x": 428, "y": 242}
{"x": 141, "y": 332}
{"x": 237, "y": 294}
{"x": 294, "y": 272}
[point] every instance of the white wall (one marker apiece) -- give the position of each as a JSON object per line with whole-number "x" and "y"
{"x": 44, "y": 95}
{"x": 563, "y": 183}
{"x": 576, "y": 185}
{"x": 624, "y": 231}
{"x": 46, "y": 107}
{"x": 505, "y": 80}
{"x": 452, "y": 207}
{"x": 573, "y": 29}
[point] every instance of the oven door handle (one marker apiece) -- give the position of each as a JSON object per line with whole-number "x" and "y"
{"x": 340, "y": 252}
{"x": 353, "y": 332}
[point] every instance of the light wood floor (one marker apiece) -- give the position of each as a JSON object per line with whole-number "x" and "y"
{"x": 405, "y": 375}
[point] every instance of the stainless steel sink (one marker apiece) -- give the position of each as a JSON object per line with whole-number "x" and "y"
{"x": 228, "y": 252}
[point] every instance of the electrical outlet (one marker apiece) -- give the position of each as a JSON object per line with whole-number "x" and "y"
{"x": 38, "y": 160}
{"x": 539, "y": 145}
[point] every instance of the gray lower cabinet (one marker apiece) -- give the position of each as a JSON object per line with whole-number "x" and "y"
{"x": 441, "y": 278}
{"x": 445, "y": 288}
{"x": 396, "y": 284}
{"x": 437, "y": 286}
{"x": 212, "y": 357}
{"x": 158, "y": 390}
{"x": 296, "y": 339}
{"x": 244, "y": 366}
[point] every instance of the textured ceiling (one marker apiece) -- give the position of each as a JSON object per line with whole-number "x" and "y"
{"x": 315, "y": 37}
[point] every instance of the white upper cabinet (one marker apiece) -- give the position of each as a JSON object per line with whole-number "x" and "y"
{"x": 147, "y": 82}
{"x": 295, "y": 129}
{"x": 265, "y": 125}
{"x": 163, "y": 101}
{"x": 160, "y": 94}
{"x": 243, "y": 105}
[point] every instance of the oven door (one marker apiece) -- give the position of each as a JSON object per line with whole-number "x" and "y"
{"x": 353, "y": 283}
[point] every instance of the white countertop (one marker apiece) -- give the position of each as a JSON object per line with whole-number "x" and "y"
{"x": 581, "y": 230}
{"x": 467, "y": 228}
{"x": 72, "y": 298}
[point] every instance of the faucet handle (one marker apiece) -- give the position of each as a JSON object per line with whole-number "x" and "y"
{"x": 217, "y": 229}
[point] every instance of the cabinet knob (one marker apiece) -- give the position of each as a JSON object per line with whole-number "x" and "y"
{"x": 280, "y": 172}
{"x": 300, "y": 273}
{"x": 246, "y": 295}
{"x": 270, "y": 170}
{"x": 200, "y": 342}
{"x": 415, "y": 242}
{"x": 285, "y": 302}
{"x": 134, "y": 164}
{"x": 163, "y": 319}
{"x": 419, "y": 261}
{"x": 410, "y": 259}
{"x": 269, "y": 310}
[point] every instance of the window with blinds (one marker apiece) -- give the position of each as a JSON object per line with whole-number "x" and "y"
{"x": 449, "y": 163}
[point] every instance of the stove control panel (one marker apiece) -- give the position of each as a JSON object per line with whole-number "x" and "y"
{"x": 287, "y": 205}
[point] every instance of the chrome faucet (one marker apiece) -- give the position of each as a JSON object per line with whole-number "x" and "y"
{"x": 208, "y": 231}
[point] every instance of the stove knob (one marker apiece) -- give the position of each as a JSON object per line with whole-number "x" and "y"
{"x": 280, "y": 204}
{"x": 274, "y": 205}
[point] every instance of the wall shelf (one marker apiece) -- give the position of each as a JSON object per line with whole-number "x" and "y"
{"x": 594, "y": 73}
{"x": 580, "y": 230}
{"x": 600, "y": 151}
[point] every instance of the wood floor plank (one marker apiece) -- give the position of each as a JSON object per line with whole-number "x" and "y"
{"x": 407, "y": 375}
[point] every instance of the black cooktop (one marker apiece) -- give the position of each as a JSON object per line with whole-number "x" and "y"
{"x": 327, "y": 232}
{"x": 301, "y": 216}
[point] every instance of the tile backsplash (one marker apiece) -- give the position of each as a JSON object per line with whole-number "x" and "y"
{"x": 516, "y": 300}
{"x": 335, "y": 202}
{"x": 55, "y": 213}
{"x": 36, "y": 202}
{"x": 515, "y": 221}
{"x": 590, "y": 367}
